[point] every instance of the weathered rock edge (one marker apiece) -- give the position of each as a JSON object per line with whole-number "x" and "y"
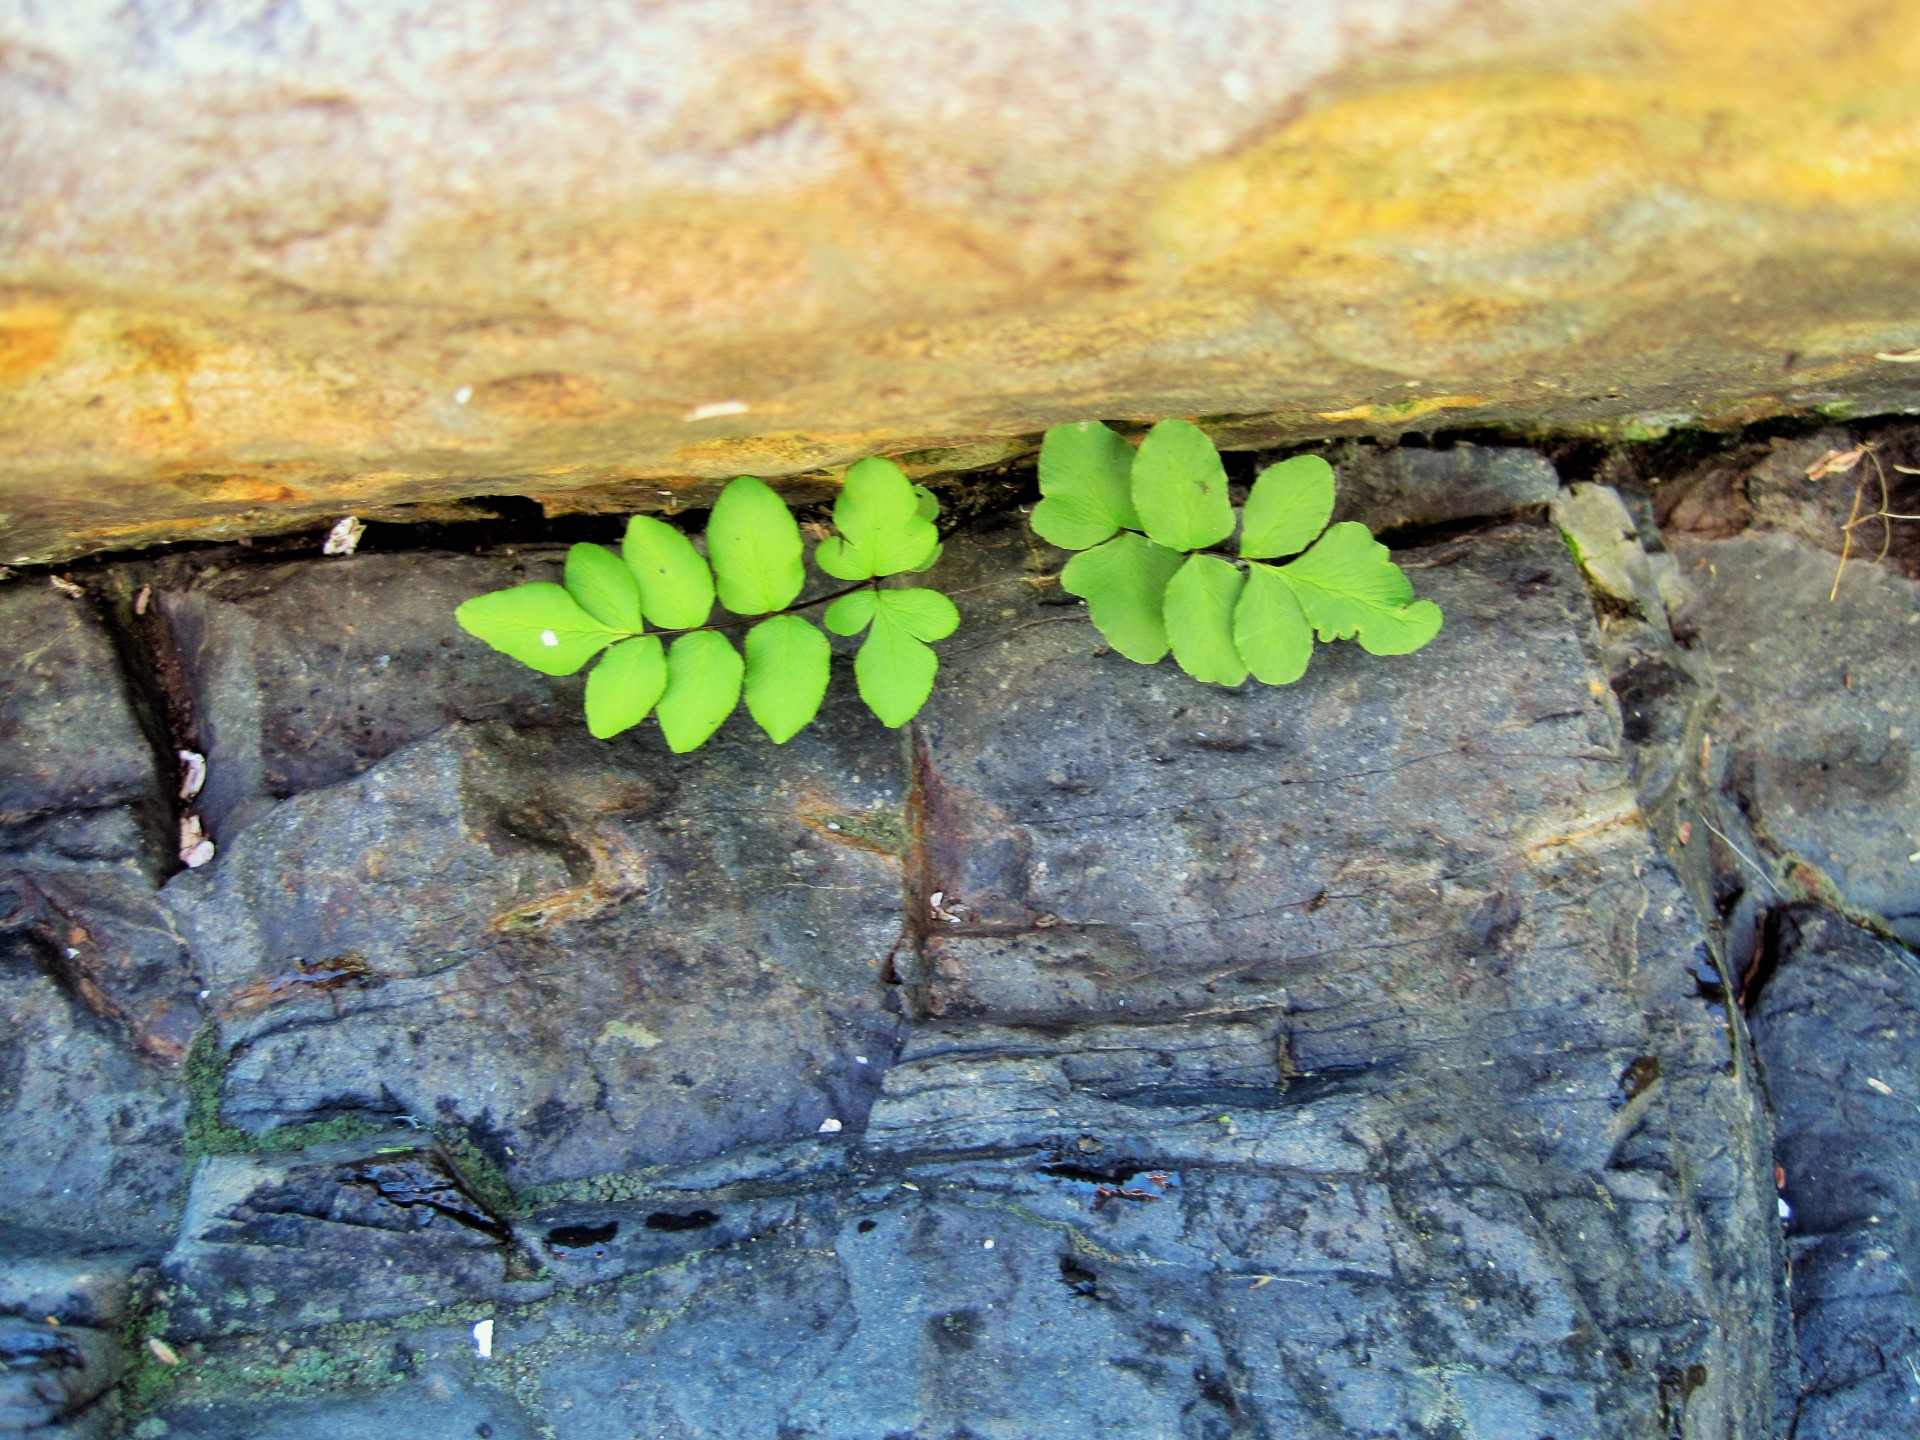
{"x": 256, "y": 271}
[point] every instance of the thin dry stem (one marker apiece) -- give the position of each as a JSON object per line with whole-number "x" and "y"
{"x": 1885, "y": 516}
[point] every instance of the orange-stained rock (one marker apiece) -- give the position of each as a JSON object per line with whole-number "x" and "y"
{"x": 263, "y": 265}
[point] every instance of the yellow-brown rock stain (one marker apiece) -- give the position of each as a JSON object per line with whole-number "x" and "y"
{"x": 546, "y": 395}
{"x": 31, "y": 338}
{"x": 1696, "y": 209}
{"x": 158, "y": 348}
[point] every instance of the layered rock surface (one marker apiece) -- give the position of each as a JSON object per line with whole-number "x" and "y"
{"x": 1104, "y": 1051}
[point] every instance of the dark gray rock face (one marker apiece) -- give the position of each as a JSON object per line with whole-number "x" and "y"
{"x": 591, "y": 958}
{"x": 1107, "y": 1051}
{"x": 304, "y": 674}
{"x": 71, "y": 741}
{"x": 1406, "y": 486}
{"x": 267, "y": 1241}
{"x": 49, "y": 1373}
{"x": 435, "y": 1406}
{"x": 89, "y": 1135}
{"x": 1103, "y": 1054}
{"x": 1386, "y": 899}
{"x": 1837, "y": 1030}
{"x": 1820, "y": 699}
{"x": 84, "y": 827}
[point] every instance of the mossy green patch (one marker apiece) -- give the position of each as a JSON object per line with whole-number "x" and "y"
{"x": 204, "y": 1073}
{"x": 612, "y": 1188}
{"x": 147, "y": 1380}
{"x": 484, "y": 1180}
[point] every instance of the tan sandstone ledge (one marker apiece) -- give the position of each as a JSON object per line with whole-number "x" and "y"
{"x": 257, "y": 270}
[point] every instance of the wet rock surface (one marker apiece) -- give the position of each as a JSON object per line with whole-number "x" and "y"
{"x": 1103, "y": 1050}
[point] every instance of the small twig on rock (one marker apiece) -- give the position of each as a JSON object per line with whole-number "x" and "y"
{"x": 1839, "y": 462}
{"x": 1758, "y": 868}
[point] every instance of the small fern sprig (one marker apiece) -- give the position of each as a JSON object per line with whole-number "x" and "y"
{"x": 1147, "y": 525}
{"x": 753, "y": 567}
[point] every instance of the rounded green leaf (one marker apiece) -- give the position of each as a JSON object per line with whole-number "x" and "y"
{"x": 1199, "y": 608}
{"x": 922, "y": 613}
{"x": 1270, "y": 630}
{"x": 755, "y": 549}
{"x": 703, "y": 686}
{"x": 1124, "y": 583}
{"x": 1086, "y": 484}
{"x": 787, "y": 668}
{"x": 1290, "y": 505}
{"x": 605, "y": 587}
{"x": 882, "y": 531}
{"x": 1180, "y": 487}
{"x": 894, "y": 670}
{"x": 623, "y": 687}
{"x": 1350, "y": 588}
{"x": 539, "y": 625}
{"x": 839, "y": 560}
{"x": 929, "y": 503}
{"x": 850, "y": 614}
{"x": 676, "y": 587}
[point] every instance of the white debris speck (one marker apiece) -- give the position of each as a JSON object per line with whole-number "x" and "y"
{"x": 859, "y": 1059}
{"x": 986, "y": 1244}
{"x": 140, "y": 600}
{"x": 1879, "y": 1087}
{"x": 195, "y": 848}
{"x": 935, "y": 900}
{"x": 463, "y": 394}
{"x": 1786, "y": 1210}
{"x": 717, "y": 408}
{"x": 344, "y": 537}
{"x": 483, "y": 1339}
{"x": 547, "y": 637}
{"x": 830, "y": 1126}
{"x": 65, "y": 586}
{"x": 162, "y": 1351}
{"x": 193, "y": 773}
